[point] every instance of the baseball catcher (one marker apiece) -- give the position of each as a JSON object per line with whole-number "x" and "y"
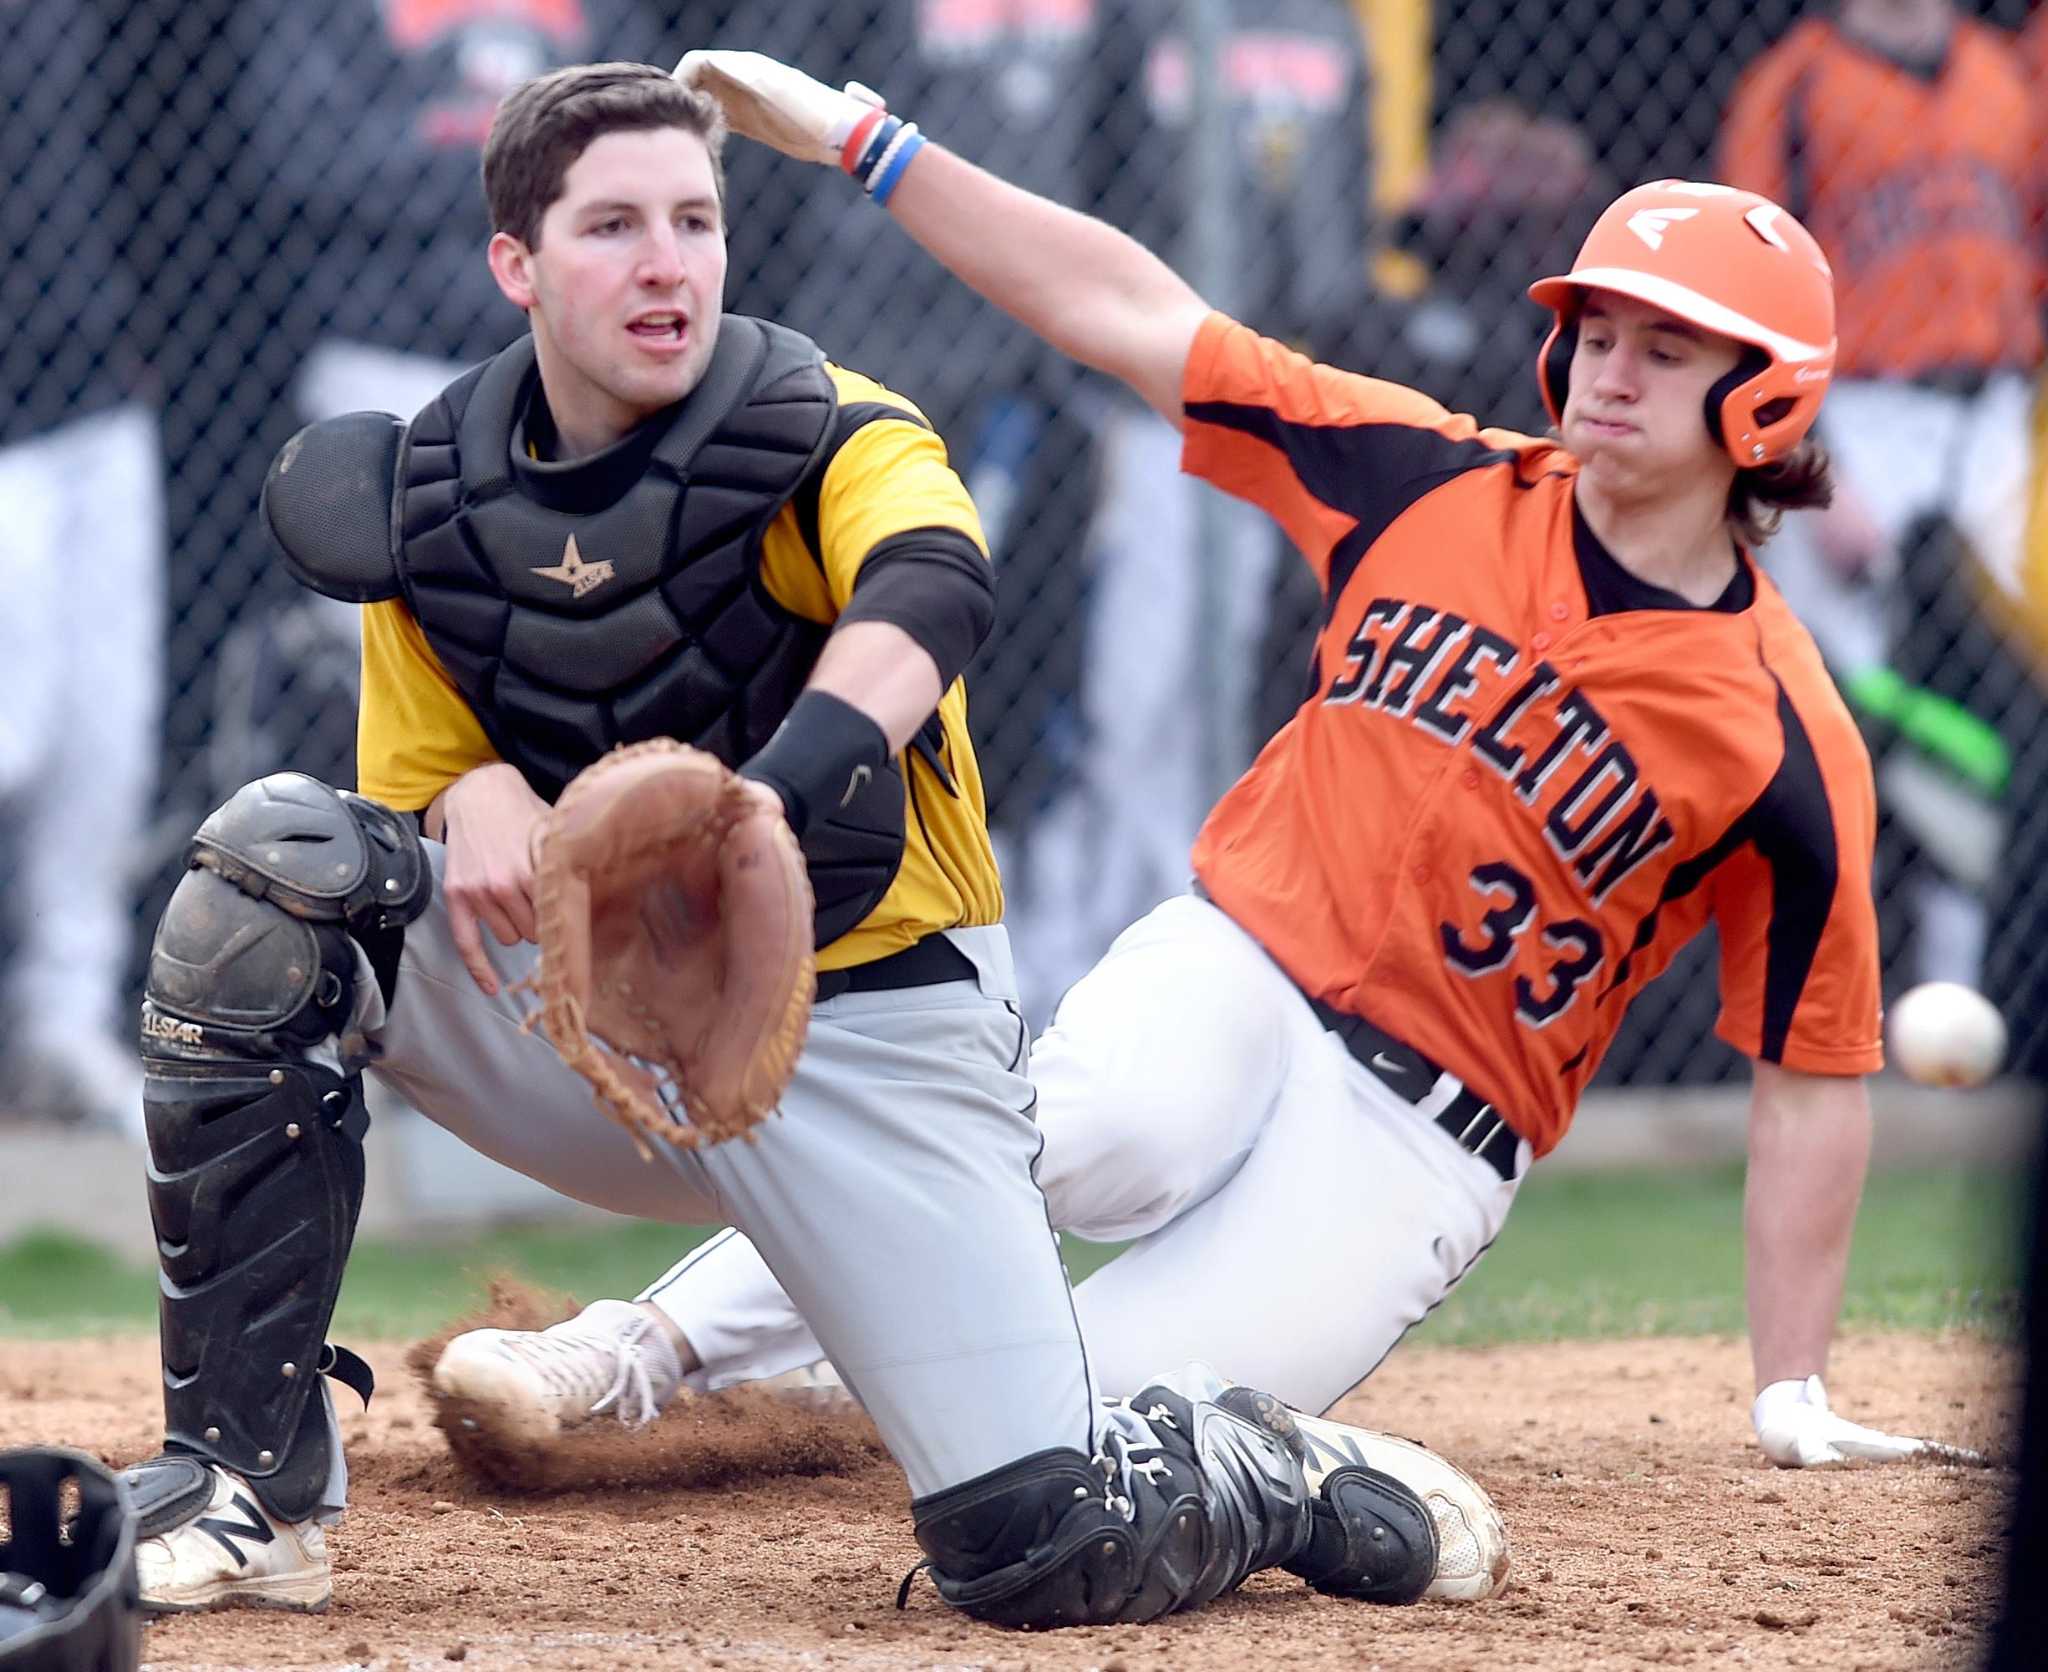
{"x": 651, "y": 523}
{"x": 1527, "y": 773}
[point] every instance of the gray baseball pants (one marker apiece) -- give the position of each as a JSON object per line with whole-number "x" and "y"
{"x": 891, "y": 1195}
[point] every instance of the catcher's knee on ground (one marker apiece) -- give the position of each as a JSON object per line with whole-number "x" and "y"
{"x": 256, "y": 1174}
{"x": 1049, "y": 1541}
{"x": 1199, "y": 1484}
{"x": 1186, "y": 1498}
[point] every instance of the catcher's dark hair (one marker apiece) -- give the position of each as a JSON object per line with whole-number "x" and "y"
{"x": 545, "y": 124}
{"x": 1804, "y": 479}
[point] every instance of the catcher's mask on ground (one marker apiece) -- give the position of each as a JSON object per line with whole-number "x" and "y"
{"x": 69, "y": 1600}
{"x": 1732, "y": 263}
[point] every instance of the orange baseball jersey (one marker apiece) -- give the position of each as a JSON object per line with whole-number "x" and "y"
{"x": 1922, "y": 186}
{"x": 1524, "y": 778}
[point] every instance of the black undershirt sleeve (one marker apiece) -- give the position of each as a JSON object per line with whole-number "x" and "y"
{"x": 935, "y": 585}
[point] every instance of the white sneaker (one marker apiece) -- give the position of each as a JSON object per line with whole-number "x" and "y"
{"x": 1473, "y": 1561}
{"x": 610, "y": 1357}
{"x": 234, "y": 1555}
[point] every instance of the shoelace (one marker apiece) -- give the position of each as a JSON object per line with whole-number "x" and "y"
{"x": 565, "y": 1363}
{"x": 1117, "y": 1464}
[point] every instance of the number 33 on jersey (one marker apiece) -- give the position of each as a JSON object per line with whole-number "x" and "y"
{"x": 1524, "y": 777}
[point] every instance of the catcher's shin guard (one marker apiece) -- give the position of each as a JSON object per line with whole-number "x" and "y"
{"x": 1191, "y": 1493}
{"x": 256, "y": 1174}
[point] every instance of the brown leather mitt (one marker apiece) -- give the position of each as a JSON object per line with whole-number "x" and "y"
{"x": 675, "y": 934}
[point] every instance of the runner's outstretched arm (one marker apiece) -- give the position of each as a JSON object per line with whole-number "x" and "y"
{"x": 1093, "y": 292}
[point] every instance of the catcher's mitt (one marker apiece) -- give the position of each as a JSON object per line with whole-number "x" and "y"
{"x": 675, "y": 931}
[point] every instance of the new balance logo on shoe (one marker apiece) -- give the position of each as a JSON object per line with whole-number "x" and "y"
{"x": 255, "y": 1530}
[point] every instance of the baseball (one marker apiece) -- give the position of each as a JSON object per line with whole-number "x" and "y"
{"x": 1942, "y": 1033}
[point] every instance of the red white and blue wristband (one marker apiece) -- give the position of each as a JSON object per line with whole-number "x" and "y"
{"x": 878, "y": 150}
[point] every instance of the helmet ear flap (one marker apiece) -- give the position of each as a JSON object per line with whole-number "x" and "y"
{"x": 1554, "y": 365}
{"x": 1753, "y": 361}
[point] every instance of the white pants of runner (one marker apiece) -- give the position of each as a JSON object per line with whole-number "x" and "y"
{"x": 1293, "y": 1217}
{"x": 891, "y": 1194}
{"x": 1908, "y": 452}
{"x": 81, "y": 644}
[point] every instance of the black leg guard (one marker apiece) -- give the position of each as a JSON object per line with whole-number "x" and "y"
{"x": 1044, "y": 1543}
{"x": 1376, "y": 1537}
{"x": 255, "y": 1187}
{"x": 256, "y": 1176}
{"x": 1146, "y": 1528}
{"x": 1372, "y": 1539}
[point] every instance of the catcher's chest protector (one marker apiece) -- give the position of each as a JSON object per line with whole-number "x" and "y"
{"x": 619, "y": 598}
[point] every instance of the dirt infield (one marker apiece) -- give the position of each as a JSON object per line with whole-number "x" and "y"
{"x": 1647, "y": 1532}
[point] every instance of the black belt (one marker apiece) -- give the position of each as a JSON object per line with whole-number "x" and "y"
{"x": 1411, "y": 1076}
{"x": 929, "y": 962}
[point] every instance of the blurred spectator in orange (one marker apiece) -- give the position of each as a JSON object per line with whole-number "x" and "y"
{"x": 81, "y": 574}
{"x": 1906, "y": 137}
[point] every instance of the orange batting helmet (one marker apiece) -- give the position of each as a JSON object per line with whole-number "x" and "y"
{"x": 1727, "y": 261}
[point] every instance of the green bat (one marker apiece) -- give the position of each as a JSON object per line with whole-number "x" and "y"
{"x": 1944, "y": 730}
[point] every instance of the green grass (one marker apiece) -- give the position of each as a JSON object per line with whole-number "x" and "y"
{"x": 52, "y": 1283}
{"x": 1589, "y": 1254}
{"x": 1612, "y": 1254}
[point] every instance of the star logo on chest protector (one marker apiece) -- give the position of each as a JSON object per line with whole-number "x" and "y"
{"x": 580, "y": 577}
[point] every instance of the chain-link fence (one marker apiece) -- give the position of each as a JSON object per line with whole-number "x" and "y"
{"x": 227, "y": 217}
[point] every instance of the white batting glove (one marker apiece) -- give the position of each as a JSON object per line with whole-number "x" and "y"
{"x": 779, "y": 105}
{"x": 1797, "y": 1431}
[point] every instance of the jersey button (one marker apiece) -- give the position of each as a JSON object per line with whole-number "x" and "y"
{"x": 1559, "y": 612}
{"x": 1540, "y": 642}
{"x": 1471, "y": 777}
{"x": 1421, "y": 873}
